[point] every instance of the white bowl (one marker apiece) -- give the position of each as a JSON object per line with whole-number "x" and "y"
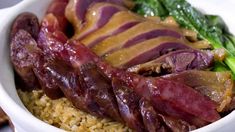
{"x": 24, "y": 121}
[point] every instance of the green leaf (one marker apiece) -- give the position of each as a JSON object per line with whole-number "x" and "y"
{"x": 150, "y": 8}
{"x": 220, "y": 67}
{"x": 190, "y": 18}
{"x": 208, "y": 27}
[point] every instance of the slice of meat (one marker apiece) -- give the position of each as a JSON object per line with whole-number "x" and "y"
{"x": 28, "y": 22}
{"x": 201, "y": 112}
{"x": 99, "y": 87}
{"x": 155, "y": 121}
{"x": 144, "y": 51}
{"x": 118, "y": 23}
{"x": 23, "y": 51}
{"x": 97, "y": 16}
{"x": 69, "y": 82}
{"x": 138, "y": 33}
{"x": 128, "y": 103}
{"x": 27, "y": 60}
{"x": 177, "y": 125}
{"x": 216, "y": 85}
{"x": 186, "y": 59}
{"x": 47, "y": 83}
{"x": 57, "y": 8}
{"x": 77, "y": 9}
{"x": 176, "y": 61}
{"x": 51, "y": 36}
{"x": 166, "y": 95}
{"x": 151, "y": 119}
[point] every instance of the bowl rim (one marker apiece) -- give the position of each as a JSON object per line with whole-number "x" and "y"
{"x": 24, "y": 116}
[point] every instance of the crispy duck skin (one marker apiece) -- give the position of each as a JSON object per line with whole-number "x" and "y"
{"x": 103, "y": 12}
{"x": 119, "y": 22}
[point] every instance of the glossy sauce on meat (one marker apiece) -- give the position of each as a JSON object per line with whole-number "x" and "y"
{"x": 89, "y": 69}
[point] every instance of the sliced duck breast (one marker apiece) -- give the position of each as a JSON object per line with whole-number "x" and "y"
{"x": 77, "y": 9}
{"x": 119, "y": 22}
{"x": 96, "y": 17}
{"x": 138, "y": 33}
{"x": 144, "y": 51}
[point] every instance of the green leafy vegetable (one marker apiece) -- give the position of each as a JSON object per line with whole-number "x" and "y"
{"x": 219, "y": 66}
{"x": 189, "y": 17}
{"x": 150, "y": 8}
{"x": 208, "y": 27}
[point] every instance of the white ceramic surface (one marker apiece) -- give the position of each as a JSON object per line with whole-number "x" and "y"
{"x": 8, "y": 3}
{"x": 24, "y": 121}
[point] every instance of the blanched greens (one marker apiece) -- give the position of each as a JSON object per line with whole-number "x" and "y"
{"x": 208, "y": 27}
{"x": 150, "y": 8}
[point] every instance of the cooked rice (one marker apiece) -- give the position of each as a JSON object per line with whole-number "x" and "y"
{"x": 62, "y": 114}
